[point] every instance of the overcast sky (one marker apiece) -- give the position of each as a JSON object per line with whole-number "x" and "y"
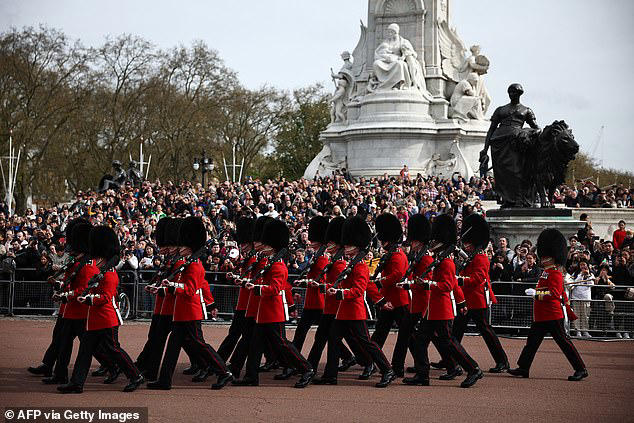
{"x": 573, "y": 57}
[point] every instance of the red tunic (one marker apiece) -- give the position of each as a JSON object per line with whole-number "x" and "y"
{"x": 271, "y": 290}
{"x": 420, "y": 295}
{"x": 254, "y": 300}
{"x": 189, "y": 303}
{"x": 67, "y": 274}
{"x": 549, "y": 307}
{"x": 351, "y": 292}
{"x": 440, "y": 303}
{"x": 331, "y": 304}
{"x": 104, "y": 312}
{"x": 474, "y": 286}
{"x": 74, "y": 309}
{"x": 314, "y": 298}
{"x": 243, "y": 295}
{"x": 393, "y": 273}
{"x": 167, "y": 308}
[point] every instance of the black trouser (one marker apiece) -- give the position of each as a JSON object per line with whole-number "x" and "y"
{"x": 142, "y": 359}
{"x": 106, "y": 340}
{"x": 479, "y": 317}
{"x": 448, "y": 362}
{"x": 386, "y": 319}
{"x": 274, "y": 335}
{"x": 188, "y": 335}
{"x": 161, "y": 332}
{"x": 355, "y": 332}
{"x": 235, "y": 332}
{"x": 535, "y": 337}
{"x": 321, "y": 339}
{"x": 241, "y": 352}
{"x": 50, "y": 356}
{"x": 446, "y": 344}
{"x": 309, "y": 318}
{"x": 68, "y": 331}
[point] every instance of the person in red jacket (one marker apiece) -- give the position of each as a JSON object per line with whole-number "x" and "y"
{"x": 619, "y": 235}
{"x": 350, "y": 321}
{"x": 396, "y": 308}
{"x": 269, "y": 286}
{"x": 50, "y": 356}
{"x": 314, "y": 299}
{"x": 244, "y": 238}
{"x": 476, "y": 286}
{"x": 189, "y": 310}
{"x": 444, "y": 298}
{"x": 549, "y": 307}
{"x": 103, "y": 320}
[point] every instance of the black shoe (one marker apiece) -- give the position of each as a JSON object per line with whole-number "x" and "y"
{"x": 367, "y": 372}
{"x": 410, "y": 369}
{"x": 134, "y": 383}
{"x": 346, "y": 364}
{"x": 399, "y": 372}
{"x": 472, "y": 378}
{"x": 113, "y": 376}
{"x": 325, "y": 380}
{"x": 267, "y": 367}
{"x": 41, "y": 370}
{"x": 245, "y": 382}
{"x": 500, "y": 367}
{"x": 451, "y": 374}
{"x": 386, "y": 379}
{"x": 438, "y": 365}
{"x": 222, "y": 381}
{"x": 70, "y": 388}
{"x": 191, "y": 370}
{"x": 202, "y": 375}
{"x": 156, "y": 385}
{"x": 305, "y": 379}
{"x": 579, "y": 374}
{"x": 418, "y": 379}
{"x": 54, "y": 380}
{"x": 518, "y": 372}
{"x": 101, "y": 371}
{"x": 286, "y": 374}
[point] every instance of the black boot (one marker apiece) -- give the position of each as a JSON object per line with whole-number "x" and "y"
{"x": 451, "y": 374}
{"x": 191, "y": 370}
{"x": 101, "y": 371}
{"x": 386, "y": 379}
{"x": 305, "y": 380}
{"x": 41, "y": 370}
{"x": 113, "y": 376}
{"x": 267, "y": 367}
{"x": 367, "y": 372}
{"x": 500, "y": 367}
{"x": 70, "y": 388}
{"x": 472, "y": 378}
{"x": 202, "y": 375}
{"x": 245, "y": 382}
{"x": 54, "y": 380}
{"x": 222, "y": 381}
{"x": 346, "y": 364}
{"x": 411, "y": 369}
{"x": 134, "y": 383}
{"x": 325, "y": 380}
{"x": 156, "y": 385}
{"x": 438, "y": 365}
{"x": 286, "y": 374}
{"x": 518, "y": 372}
{"x": 418, "y": 379}
{"x": 579, "y": 374}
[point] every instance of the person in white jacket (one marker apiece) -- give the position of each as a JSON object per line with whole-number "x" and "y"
{"x": 580, "y": 296}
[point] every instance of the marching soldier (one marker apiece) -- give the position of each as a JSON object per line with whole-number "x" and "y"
{"x": 550, "y": 307}
{"x": 350, "y": 321}
{"x": 189, "y": 310}
{"x": 390, "y": 233}
{"x": 102, "y": 331}
{"x": 438, "y": 318}
{"x": 476, "y": 287}
{"x": 272, "y": 310}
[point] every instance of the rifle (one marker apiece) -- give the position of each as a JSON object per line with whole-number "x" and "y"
{"x": 382, "y": 263}
{"x": 417, "y": 257}
{"x": 96, "y": 279}
{"x": 277, "y": 257}
{"x": 356, "y": 259}
{"x": 437, "y": 260}
{"x": 300, "y": 278}
{"x": 193, "y": 257}
{"x": 156, "y": 280}
{"x": 53, "y": 280}
{"x": 85, "y": 259}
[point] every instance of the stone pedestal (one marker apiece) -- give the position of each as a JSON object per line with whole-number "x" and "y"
{"x": 520, "y": 224}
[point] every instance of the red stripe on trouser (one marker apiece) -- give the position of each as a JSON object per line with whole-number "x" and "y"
{"x": 560, "y": 329}
{"x": 126, "y": 358}
{"x": 367, "y": 334}
{"x": 453, "y": 343}
{"x": 285, "y": 344}
{"x": 368, "y": 356}
{"x": 206, "y": 347}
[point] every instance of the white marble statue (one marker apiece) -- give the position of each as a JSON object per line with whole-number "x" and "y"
{"x": 478, "y": 64}
{"x": 396, "y": 64}
{"x": 339, "y": 102}
{"x": 465, "y": 102}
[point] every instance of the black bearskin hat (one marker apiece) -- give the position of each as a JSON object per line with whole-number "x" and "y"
{"x": 80, "y": 238}
{"x": 192, "y": 233}
{"x": 388, "y": 228}
{"x": 355, "y": 232}
{"x": 418, "y": 228}
{"x": 444, "y": 230}
{"x": 552, "y": 243}
{"x": 104, "y": 242}
{"x": 275, "y": 234}
{"x": 259, "y": 227}
{"x": 244, "y": 230}
{"x": 172, "y": 231}
{"x": 317, "y": 229}
{"x": 68, "y": 233}
{"x": 159, "y": 232}
{"x": 333, "y": 231}
{"x": 475, "y": 230}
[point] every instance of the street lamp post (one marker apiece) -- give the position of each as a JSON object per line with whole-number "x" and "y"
{"x": 204, "y": 163}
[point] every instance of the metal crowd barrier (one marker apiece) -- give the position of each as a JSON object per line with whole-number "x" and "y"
{"x": 607, "y": 314}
